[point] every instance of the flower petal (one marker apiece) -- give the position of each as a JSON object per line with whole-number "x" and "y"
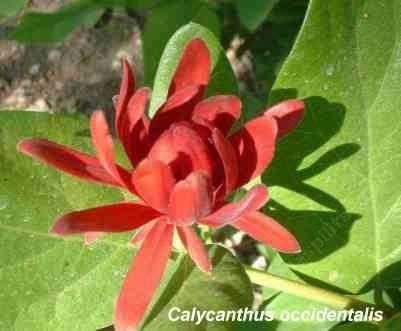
{"x": 268, "y": 231}
{"x": 144, "y": 277}
{"x": 254, "y": 199}
{"x": 67, "y": 160}
{"x": 229, "y": 160}
{"x": 221, "y": 110}
{"x": 288, "y": 115}
{"x": 126, "y": 90}
{"x": 103, "y": 143}
{"x": 254, "y": 145}
{"x": 191, "y": 199}
{"x": 119, "y": 217}
{"x": 183, "y": 150}
{"x": 178, "y": 107}
{"x": 153, "y": 181}
{"x": 194, "y": 67}
{"x": 135, "y": 131}
{"x": 195, "y": 248}
{"x": 145, "y": 230}
{"x": 90, "y": 237}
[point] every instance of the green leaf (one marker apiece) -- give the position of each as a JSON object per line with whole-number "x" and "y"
{"x": 337, "y": 177}
{"x": 50, "y": 283}
{"x": 393, "y": 324}
{"x": 54, "y": 27}
{"x": 253, "y": 13}
{"x": 187, "y": 287}
{"x": 222, "y": 81}
{"x": 11, "y": 8}
{"x": 361, "y": 326}
{"x": 164, "y": 21}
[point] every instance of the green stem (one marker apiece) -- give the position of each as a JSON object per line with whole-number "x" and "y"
{"x": 310, "y": 292}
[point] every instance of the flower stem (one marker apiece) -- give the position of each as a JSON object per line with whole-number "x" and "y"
{"x": 310, "y": 292}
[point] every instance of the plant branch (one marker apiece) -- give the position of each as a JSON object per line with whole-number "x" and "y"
{"x": 313, "y": 293}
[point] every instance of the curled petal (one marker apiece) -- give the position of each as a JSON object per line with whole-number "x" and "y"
{"x": 121, "y": 102}
{"x": 103, "y": 143}
{"x": 254, "y": 145}
{"x": 153, "y": 181}
{"x": 194, "y": 67}
{"x": 120, "y": 217}
{"x": 228, "y": 158}
{"x": 178, "y": 107}
{"x": 268, "y": 231}
{"x": 195, "y": 248}
{"x": 191, "y": 199}
{"x": 221, "y": 110}
{"x": 288, "y": 115}
{"x": 135, "y": 131}
{"x": 67, "y": 160}
{"x": 143, "y": 277}
{"x": 183, "y": 149}
{"x": 256, "y": 198}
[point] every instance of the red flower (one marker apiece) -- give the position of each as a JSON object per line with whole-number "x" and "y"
{"x": 185, "y": 163}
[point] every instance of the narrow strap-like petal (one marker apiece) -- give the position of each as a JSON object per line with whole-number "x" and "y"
{"x": 67, "y": 160}
{"x": 221, "y": 110}
{"x": 91, "y": 237}
{"x": 183, "y": 149}
{"x": 228, "y": 159}
{"x": 143, "y": 277}
{"x": 194, "y": 67}
{"x": 153, "y": 181}
{"x": 103, "y": 143}
{"x": 119, "y": 217}
{"x": 191, "y": 199}
{"x": 254, "y": 145}
{"x": 268, "y": 231}
{"x": 134, "y": 131}
{"x": 254, "y": 199}
{"x": 195, "y": 248}
{"x": 288, "y": 115}
{"x": 145, "y": 230}
{"x": 126, "y": 90}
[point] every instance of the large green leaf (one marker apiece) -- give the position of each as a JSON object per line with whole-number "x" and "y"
{"x": 50, "y": 283}
{"x": 222, "y": 79}
{"x": 54, "y": 27}
{"x": 343, "y": 162}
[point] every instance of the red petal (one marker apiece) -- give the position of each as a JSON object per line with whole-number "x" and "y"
{"x": 184, "y": 150}
{"x": 126, "y": 90}
{"x": 135, "y": 132}
{"x": 254, "y": 145}
{"x": 90, "y": 237}
{"x": 178, "y": 107}
{"x": 120, "y": 217}
{"x": 67, "y": 160}
{"x": 153, "y": 180}
{"x": 145, "y": 230}
{"x": 103, "y": 143}
{"x": 194, "y": 67}
{"x": 228, "y": 158}
{"x": 268, "y": 231}
{"x": 144, "y": 277}
{"x": 191, "y": 199}
{"x": 195, "y": 247}
{"x": 254, "y": 199}
{"x": 221, "y": 110}
{"x": 288, "y": 115}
